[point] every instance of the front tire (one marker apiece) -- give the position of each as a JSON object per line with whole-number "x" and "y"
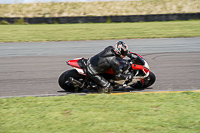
{"x": 148, "y": 81}
{"x": 64, "y": 77}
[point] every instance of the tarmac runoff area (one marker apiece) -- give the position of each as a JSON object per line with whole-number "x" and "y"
{"x": 33, "y": 68}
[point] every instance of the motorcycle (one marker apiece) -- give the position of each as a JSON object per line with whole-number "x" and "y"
{"x": 76, "y": 80}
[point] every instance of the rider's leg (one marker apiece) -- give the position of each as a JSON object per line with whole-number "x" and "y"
{"x": 101, "y": 81}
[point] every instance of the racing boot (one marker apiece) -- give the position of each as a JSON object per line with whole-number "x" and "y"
{"x": 108, "y": 89}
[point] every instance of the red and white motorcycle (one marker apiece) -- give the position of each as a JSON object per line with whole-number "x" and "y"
{"x": 76, "y": 79}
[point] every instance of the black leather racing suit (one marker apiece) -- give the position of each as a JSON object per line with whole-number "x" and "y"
{"x": 102, "y": 62}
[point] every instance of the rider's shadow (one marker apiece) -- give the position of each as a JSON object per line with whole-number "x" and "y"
{"x": 126, "y": 89}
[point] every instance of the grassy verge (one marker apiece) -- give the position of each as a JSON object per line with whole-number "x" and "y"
{"x": 98, "y": 8}
{"x": 100, "y": 31}
{"x": 168, "y": 112}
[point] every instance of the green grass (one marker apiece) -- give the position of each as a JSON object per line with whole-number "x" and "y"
{"x": 99, "y": 31}
{"x": 130, "y": 113}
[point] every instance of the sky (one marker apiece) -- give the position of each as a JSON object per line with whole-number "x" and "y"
{"x": 33, "y": 1}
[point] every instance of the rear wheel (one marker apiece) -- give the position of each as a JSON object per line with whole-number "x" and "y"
{"x": 148, "y": 81}
{"x": 64, "y": 78}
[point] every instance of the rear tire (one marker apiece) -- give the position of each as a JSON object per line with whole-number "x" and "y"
{"x": 65, "y": 76}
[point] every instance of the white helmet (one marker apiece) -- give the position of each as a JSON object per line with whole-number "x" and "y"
{"x": 121, "y": 48}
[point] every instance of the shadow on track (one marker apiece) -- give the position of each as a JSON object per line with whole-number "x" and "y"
{"x": 114, "y": 90}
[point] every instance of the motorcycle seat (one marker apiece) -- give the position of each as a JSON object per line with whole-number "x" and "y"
{"x": 82, "y": 63}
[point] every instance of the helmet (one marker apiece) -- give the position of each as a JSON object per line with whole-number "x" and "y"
{"x": 121, "y": 48}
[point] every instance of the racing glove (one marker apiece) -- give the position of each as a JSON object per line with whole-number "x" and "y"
{"x": 130, "y": 55}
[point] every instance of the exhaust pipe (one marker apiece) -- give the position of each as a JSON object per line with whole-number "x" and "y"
{"x": 75, "y": 82}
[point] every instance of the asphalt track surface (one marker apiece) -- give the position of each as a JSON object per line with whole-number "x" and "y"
{"x": 33, "y": 68}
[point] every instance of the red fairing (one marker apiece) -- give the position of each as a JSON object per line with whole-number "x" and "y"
{"x": 137, "y": 67}
{"x": 140, "y": 67}
{"x": 145, "y": 70}
{"x": 73, "y": 63}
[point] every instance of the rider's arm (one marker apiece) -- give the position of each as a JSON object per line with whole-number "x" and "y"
{"x": 120, "y": 75}
{"x": 116, "y": 69}
{"x": 130, "y": 55}
{"x": 115, "y": 66}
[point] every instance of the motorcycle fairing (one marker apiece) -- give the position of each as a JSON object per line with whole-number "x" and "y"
{"x": 74, "y": 62}
{"x": 77, "y": 64}
{"x": 140, "y": 67}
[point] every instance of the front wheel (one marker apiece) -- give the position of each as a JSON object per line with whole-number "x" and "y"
{"x": 148, "y": 81}
{"x": 64, "y": 77}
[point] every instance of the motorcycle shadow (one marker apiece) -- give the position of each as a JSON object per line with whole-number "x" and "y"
{"x": 114, "y": 91}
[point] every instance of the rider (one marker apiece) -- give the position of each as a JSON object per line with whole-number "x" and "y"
{"x": 105, "y": 60}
